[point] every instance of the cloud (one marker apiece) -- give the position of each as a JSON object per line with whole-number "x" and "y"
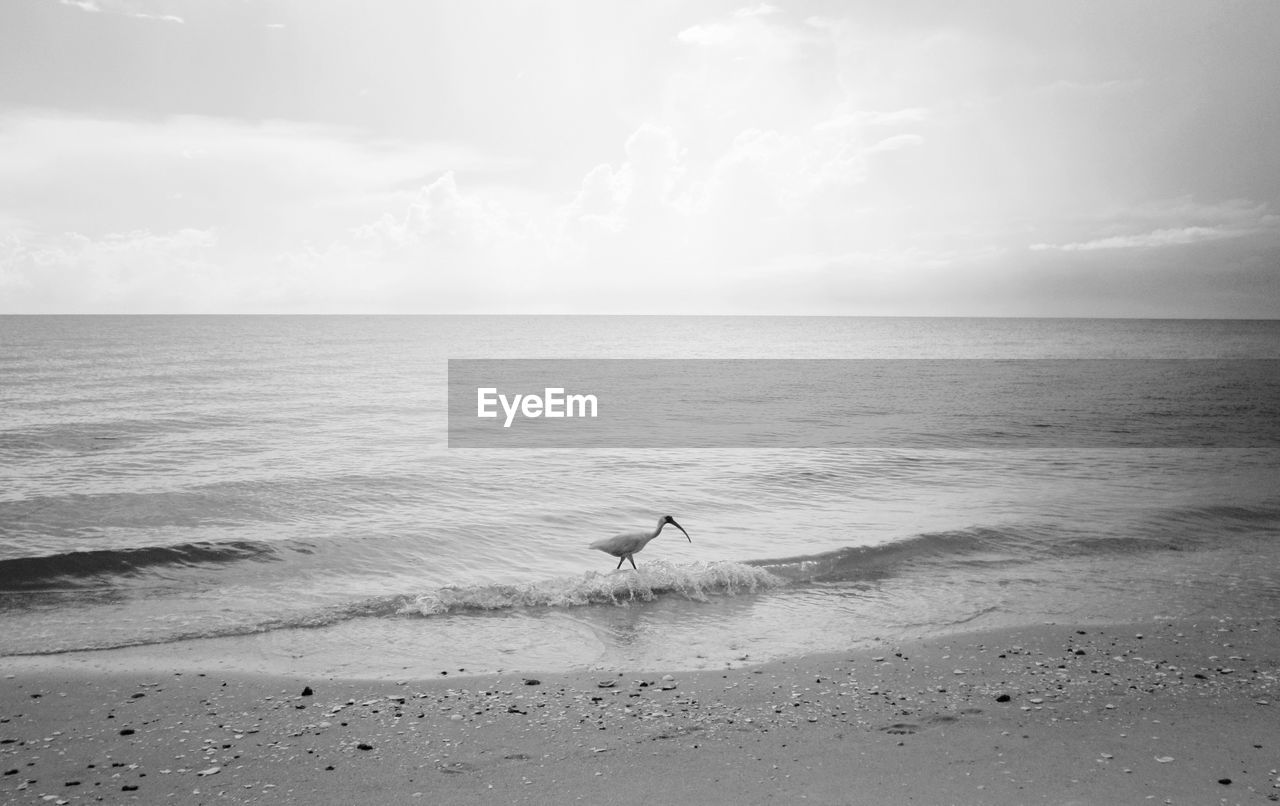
{"x": 813, "y": 220}
{"x": 126, "y": 272}
{"x": 707, "y": 34}
{"x": 1155, "y": 238}
{"x": 1179, "y": 221}
{"x": 1117, "y": 86}
{"x": 627, "y": 228}
{"x": 747, "y": 31}
{"x": 255, "y": 181}
{"x": 864, "y": 162}
{"x": 656, "y": 218}
{"x": 770, "y": 194}
{"x": 124, "y": 8}
{"x": 1240, "y": 214}
{"x": 642, "y": 187}
{"x": 1232, "y": 277}
{"x": 306, "y": 216}
{"x": 448, "y": 250}
{"x": 742, "y": 27}
{"x": 442, "y": 217}
{"x": 849, "y": 216}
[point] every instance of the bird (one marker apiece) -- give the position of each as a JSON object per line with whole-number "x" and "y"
{"x": 625, "y": 545}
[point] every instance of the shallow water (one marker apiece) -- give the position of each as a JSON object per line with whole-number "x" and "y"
{"x": 288, "y": 478}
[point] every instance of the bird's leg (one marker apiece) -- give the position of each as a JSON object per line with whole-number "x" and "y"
{"x": 632, "y": 560}
{"x": 620, "y": 559}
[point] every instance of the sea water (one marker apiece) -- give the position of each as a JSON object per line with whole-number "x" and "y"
{"x": 286, "y": 484}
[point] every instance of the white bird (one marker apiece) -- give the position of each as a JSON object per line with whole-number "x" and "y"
{"x": 624, "y": 546}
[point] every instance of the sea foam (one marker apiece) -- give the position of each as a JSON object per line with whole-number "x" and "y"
{"x": 696, "y": 581}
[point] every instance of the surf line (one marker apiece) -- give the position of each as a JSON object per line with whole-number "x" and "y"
{"x": 552, "y": 403}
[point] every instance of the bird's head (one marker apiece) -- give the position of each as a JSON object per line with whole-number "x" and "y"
{"x": 668, "y": 519}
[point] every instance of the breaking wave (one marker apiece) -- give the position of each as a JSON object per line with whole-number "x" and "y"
{"x": 696, "y": 581}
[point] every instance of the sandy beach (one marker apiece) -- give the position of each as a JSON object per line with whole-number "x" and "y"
{"x": 1167, "y": 712}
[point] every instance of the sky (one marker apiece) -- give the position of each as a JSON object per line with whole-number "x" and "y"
{"x": 947, "y": 158}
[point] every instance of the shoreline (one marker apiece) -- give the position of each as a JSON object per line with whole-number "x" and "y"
{"x": 1156, "y": 711}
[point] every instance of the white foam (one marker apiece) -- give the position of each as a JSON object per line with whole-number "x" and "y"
{"x": 696, "y": 581}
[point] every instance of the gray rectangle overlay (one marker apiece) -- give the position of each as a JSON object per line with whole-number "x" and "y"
{"x": 852, "y": 404}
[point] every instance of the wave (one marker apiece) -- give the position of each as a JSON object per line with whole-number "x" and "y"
{"x": 1187, "y": 529}
{"x": 1226, "y": 516}
{"x": 976, "y": 545}
{"x": 696, "y": 581}
{"x": 85, "y": 568}
{"x": 976, "y": 549}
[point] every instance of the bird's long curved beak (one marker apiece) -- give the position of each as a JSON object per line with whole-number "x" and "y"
{"x": 681, "y": 528}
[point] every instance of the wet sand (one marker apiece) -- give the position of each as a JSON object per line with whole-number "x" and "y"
{"x": 1160, "y": 712}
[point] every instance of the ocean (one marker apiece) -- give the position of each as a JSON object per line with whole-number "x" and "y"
{"x": 284, "y": 488}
